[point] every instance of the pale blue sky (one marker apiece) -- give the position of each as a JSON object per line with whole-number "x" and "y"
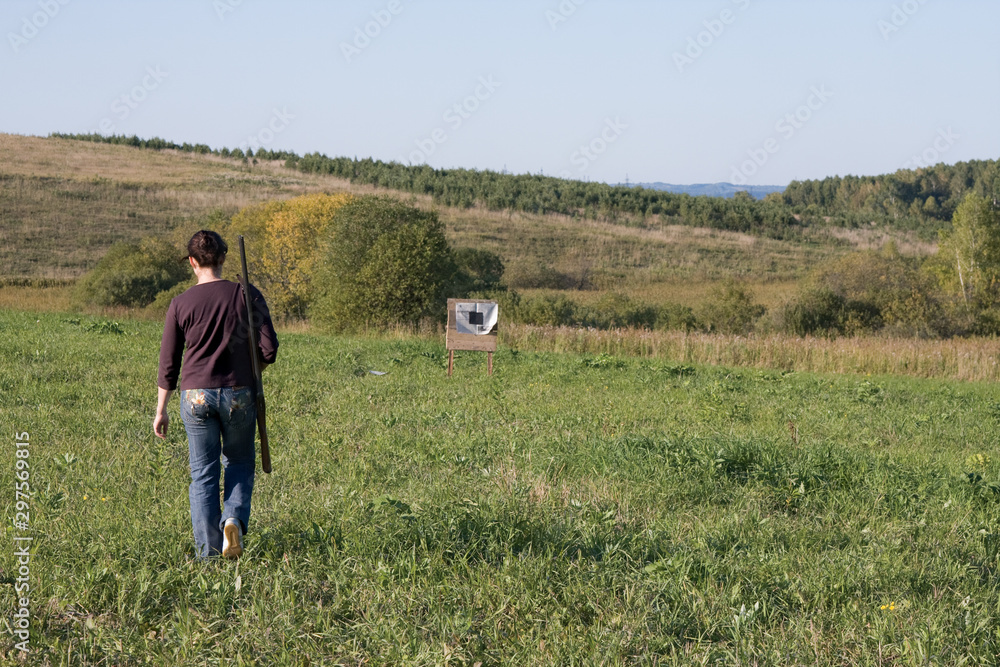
{"x": 591, "y": 89}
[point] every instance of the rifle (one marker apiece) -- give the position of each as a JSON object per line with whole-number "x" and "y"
{"x": 265, "y": 453}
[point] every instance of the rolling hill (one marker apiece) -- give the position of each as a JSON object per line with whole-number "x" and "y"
{"x": 64, "y": 202}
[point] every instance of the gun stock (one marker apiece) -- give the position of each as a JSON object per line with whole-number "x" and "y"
{"x": 265, "y": 452}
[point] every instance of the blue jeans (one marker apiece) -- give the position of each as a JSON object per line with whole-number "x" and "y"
{"x": 220, "y": 424}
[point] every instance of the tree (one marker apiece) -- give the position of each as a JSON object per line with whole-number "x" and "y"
{"x": 382, "y": 263}
{"x": 478, "y": 271}
{"x": 284, "y": 236}
{"x": 132, "y": 274}
{"x": 972, "y": 249}
{"x": 931, "y": 206}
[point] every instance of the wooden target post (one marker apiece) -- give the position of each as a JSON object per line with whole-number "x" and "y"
{"x": 455, "y": 339}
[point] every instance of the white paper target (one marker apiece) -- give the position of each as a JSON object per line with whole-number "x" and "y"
{"x": 476, "y": 318}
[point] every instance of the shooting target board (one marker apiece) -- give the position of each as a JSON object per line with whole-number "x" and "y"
{"x": 472, "y": 325}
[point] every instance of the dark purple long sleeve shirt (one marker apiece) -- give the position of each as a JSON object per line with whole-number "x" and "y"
{"x": 210, "y": 321}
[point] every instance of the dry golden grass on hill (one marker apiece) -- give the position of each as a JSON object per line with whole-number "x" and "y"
{"x": 64, "y": 202}
{"x": 83, "y": 161}
{"x": 656, "y": 261}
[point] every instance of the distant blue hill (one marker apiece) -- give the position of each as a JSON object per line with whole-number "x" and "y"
{"x": 715, "y": 189}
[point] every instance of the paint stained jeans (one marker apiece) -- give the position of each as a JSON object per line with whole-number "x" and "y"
{"x": 221, "y": 425}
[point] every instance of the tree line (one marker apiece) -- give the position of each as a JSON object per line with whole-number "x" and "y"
{"x": 923, "y": 200}
{"x": 920, "y": 199}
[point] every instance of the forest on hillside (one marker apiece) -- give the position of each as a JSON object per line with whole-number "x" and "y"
{"x": 928, "y": 194}
{"x": 920, "y": 200}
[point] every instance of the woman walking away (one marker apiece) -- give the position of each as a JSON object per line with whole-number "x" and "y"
{"x": 217, "y": 401}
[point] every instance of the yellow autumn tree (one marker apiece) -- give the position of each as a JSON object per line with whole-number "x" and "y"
{"x": 282, "y": 240}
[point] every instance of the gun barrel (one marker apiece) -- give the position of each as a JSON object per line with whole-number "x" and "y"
{"x": 265, "y": 452}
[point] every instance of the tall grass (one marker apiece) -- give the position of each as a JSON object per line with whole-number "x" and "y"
{"x": 968, "y": 359}
{"x": 56, "y": 298}
{"x": 973, "y": 359}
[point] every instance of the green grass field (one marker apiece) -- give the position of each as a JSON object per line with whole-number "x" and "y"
{"x": 572, "y": 509}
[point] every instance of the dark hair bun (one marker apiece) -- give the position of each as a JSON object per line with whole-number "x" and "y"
{"x": 207, "y": 248}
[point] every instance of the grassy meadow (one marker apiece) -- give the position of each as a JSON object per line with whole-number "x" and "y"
{"x": 571, "y": 509}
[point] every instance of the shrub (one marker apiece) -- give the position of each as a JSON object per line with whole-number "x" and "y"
{"x": 986, "y": 322}
{"x": 163, "y": 299}
{"x": 611, "y": 311}
{"x": 133, "y": 274}
{"x": 531, "y": 274}
{"x": 675, "y": 316}
{"x": 731, "y": 309}
{"x": 547, "y": 310}
{"x": 821, "y": 311}
{"x": 864, "y": 292}
{"x": 817, "y": 310}
{"x": 477, "y": 271}
{"x": 382, "y": 263}
{"x": 284, "y": 236}
{"x": 616, "y": 310}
